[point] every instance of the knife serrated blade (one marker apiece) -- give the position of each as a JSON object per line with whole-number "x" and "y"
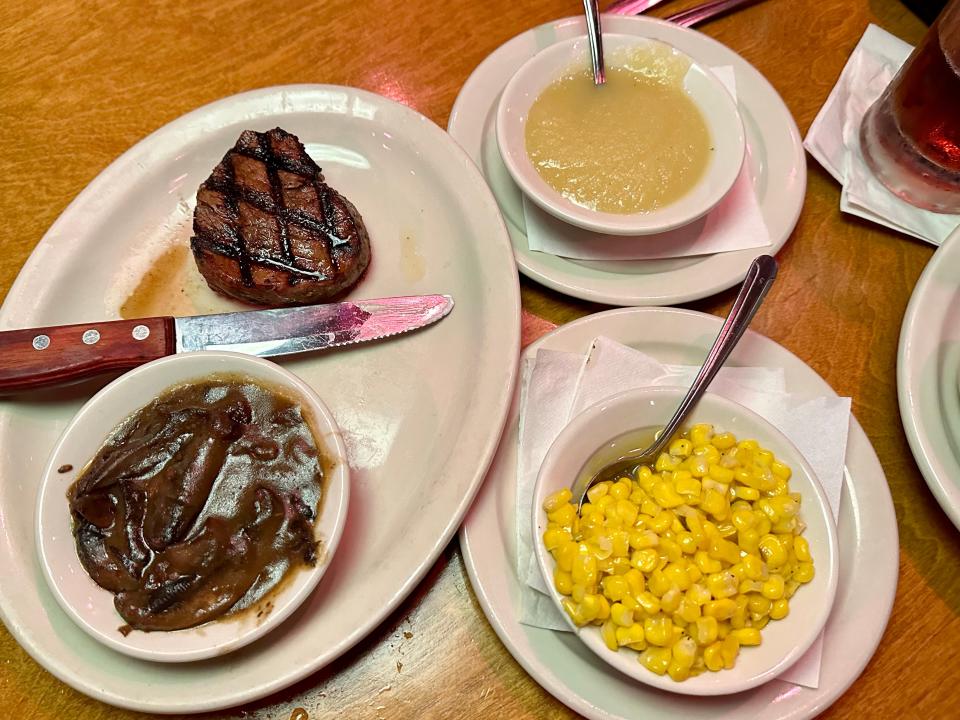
{"x": 316, "y": 327}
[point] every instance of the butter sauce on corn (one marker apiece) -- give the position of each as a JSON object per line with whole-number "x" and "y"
{"x": 685, "y": 562}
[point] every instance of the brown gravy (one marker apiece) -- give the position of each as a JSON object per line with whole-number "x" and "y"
{"x": 200, "y": 503}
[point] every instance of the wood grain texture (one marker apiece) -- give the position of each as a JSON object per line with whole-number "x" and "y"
{"x": 82, "y": 80}
{"x": 48, "y": 357}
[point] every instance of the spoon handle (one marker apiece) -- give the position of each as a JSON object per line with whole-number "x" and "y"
{"x": 595, "y": 35}
{"x": 760, "y": 277}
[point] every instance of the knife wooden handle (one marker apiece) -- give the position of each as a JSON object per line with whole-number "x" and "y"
{"x": 44, "y": 357}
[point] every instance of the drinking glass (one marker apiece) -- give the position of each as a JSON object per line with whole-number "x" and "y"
{"x": 910, "y": 137}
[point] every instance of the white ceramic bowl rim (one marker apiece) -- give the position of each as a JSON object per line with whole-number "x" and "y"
{"x": 825, "y": 554}
{"x": 90, "y": 606}
{"x": 714, "y": 101}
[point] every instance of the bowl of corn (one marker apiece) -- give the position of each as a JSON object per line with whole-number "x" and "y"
{"x": 710, "y": 572}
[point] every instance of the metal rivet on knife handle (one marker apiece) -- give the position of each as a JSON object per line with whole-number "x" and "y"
{"x": 41, "y": 342}
{"x": 91, "y": 337}
{"x": 141, "y": 332}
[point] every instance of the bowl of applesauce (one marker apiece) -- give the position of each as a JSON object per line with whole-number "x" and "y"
{"x": 654, "y": 148}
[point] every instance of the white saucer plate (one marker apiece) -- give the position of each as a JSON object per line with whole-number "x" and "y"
{"x": 774, "y": 156}
{"x": 928, "y": 375}
{"x": 866, "y": 536}
{"x": 420, "y": 414}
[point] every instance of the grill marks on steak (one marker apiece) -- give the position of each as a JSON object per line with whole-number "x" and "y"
{"x": 269, "y": 230}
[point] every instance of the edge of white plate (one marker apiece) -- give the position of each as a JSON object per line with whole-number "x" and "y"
{"x": 908, "y": 387}
{"x": 34, "y": 264}
{"x": 857, "y": 442}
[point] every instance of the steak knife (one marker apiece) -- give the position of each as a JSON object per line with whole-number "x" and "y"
{"x": 43, "y": 357}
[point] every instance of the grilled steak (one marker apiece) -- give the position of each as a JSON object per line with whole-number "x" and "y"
{"x": 269, "y": 230}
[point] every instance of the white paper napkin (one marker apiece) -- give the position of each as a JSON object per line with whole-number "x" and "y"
{"x": 736, "y": 223}
{"x": 556, "y": 386}
{"x": 834, "y": 140}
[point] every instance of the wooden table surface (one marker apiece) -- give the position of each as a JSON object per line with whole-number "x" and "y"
{"x": 81, "y": 81}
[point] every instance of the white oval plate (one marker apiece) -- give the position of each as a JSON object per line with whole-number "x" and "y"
{"x": 420, "y": 414}
{"x": 928, "y": 370}
{"x": 774, "y": 156}
{"x": 91, "y": 606}
{"x": 701, "y": 86}
{"x": 866, "y": 539}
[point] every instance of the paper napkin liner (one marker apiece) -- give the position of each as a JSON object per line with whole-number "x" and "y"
{"x": 556, "y": 386}
{"x": 834, "y": 140}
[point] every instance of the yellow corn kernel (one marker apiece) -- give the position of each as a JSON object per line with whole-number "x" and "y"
{"x": 745, "y": 492}
{"x": 688, "y": 543}
{"x": 645, "y": 560}
{"x": 671, "y": 550}
{"x": 801, "y": 549}
{"x": 750, "y": 586}
{"x": 589, "y": 608}
{"x": 635, "y": 581}
{"x": 724, "y": 550}
{"x": 656, "y": 660}
{"x": 627, "y": 511}
{"x": 723, "y": 441}
{"x": 752, "y": 567}
{"x": 729, "y": 651}
{"x": 694, "y": 574}
{"x": 749, "y": 540}
{"x": 803, "y": 573}
{"x": 763, "y": 458}
{"x": 658, "y": 583}
{"x": 688, "y": 611}
{"x": 562, "y": 581}
{"x": 649, "y": 603}
{"x": 773, "y": 587}
{"x": 621, "y": 615}
{"x": 705, "y": 630}
{"x": 555, "y": 537}
{"x": 584, "y": 570}
{"x": 712, "y": 657}
{"x": 565, "y": 555}
{"x": 721, "y": 474}
{"x": 699, "y": 594}
{"x": 558, "y": 499}
{"x": 714, "y": 503}
{"x": 780, "y": 470}
{"x": 684, "y": 653}
{"x": 759, "y": 605}
{"x": 698, "y": 466}
{"x": 666, "y": 495}
{"x": 666, "y": 462}
{"x": 681, "y": 447}
{"x": 742, "y": 519}
{"x": 706, "y": 563}
{"x": 609, "y": 634}
{"x": 598, "y": 491}
{"x": 620, "y": 543}
{"x": 603, "y": 611}
{"x": 687, "y": 485}
{"x": 630, "y": 635}
{"x": 670, "y": 600}
{"x": 772, "y": 551}
{"x": 780, "y": 609}
{"x": 748, "y": 445}
{"x": 676, "y": 575}
{"x": 570, "y": 607}
{"x": 722, "y": 584}
{"x": 615, "y": 587}
{"x": 720, "y": 609}
{"x": 630, "y": 602}
{"x": 790, "y": 587}
{"x": 621, "y": 489}
{"x": 701, "y": 434}
{"x": 746, "y": 636}
{"x": 578, "y": 592}
{"x": 640, "y": 539}
{"x": 658, "y": 630}
{"x": 563, "y": 516}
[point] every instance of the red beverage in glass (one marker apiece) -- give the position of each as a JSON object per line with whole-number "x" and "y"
{"x": 910, "y": 136}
